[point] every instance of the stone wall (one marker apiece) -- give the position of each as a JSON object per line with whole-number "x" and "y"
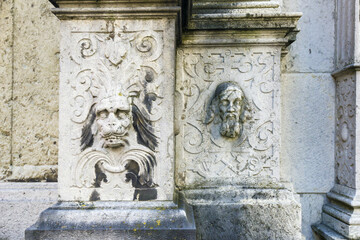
{"x": 309, "y": 107}
{"x": 29, "y": 69}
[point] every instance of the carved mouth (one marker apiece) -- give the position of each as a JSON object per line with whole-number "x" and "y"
{"x": 115, "y": 134}
{"x": 114, "y": 139}
{"x": 230, "y": 116}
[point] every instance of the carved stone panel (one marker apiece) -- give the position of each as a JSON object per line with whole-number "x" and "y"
{"x": 345, "y": 151}
{"x": 228, "y": 103}
{"x": 116, "y": 110}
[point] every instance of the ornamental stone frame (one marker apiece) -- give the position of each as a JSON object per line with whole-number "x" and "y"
{"x": 148, "y": 125}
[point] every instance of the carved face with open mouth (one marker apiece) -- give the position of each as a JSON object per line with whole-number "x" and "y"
{"x": 113, "y": 120}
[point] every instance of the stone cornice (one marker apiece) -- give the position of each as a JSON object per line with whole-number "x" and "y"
{"x": 228, "y": 29}
{"x": 117, "y": 13}
{"x": 113, "y": 3}
{"x": 248, "y": 21}
{"x": 232, "y": 6}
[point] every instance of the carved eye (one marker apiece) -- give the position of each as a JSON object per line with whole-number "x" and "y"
{"x": 103, "y": 114}
{"x": 121, "y": 115}
{"x": 224, "y": 102}
{"x": 237, "y": 102}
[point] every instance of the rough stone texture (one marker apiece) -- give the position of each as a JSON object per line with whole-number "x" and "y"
{"x": 35, "y": 109}
{"x": 205, "y": 157}
{"x": 21, "y": 204}
{"x": 126, "y": 67}
{"x": 346, "y": 143}
{"x": 311, "y": 207}
{"x": 308, "y": 106}
{"x": 313, "y": 50}
{"x": 235, "y": 213}
{"x": 6, "y": 64}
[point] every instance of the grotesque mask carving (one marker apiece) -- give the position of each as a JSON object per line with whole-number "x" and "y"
{"x": 227, "y": 106}
{"x": 113, "y": 120}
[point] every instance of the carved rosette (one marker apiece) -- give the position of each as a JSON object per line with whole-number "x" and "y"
{"x": 345, "y": 130}
{"x": 210, "y": 154}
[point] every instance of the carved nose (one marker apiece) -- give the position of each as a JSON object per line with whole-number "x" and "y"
{"x": 111, "y": 120}
{"x": 231, "y": 108}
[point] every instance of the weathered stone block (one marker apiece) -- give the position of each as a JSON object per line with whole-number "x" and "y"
{"x": 240, "y": 213}
{"x": 114, "y": 220}
{"x": 21, "y": 204}
{"x": 314, "y": 48}
{"x": 6, "y": 76}
{"x": 35, "y": 109}
{"x": 305, "y": 125}
{"x": 238, "y": 142}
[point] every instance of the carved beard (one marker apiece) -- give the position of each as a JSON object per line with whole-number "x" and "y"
{"x": 230, "y": 127}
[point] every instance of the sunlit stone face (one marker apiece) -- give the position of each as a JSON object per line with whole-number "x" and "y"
{"x": 113, "y": 120}
{"x": 230, "y": 108}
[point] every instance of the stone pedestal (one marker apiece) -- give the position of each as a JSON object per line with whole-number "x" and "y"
{"x": 231, "y": 212}
{"x": 229, "y": 122}
{"x": 114, "y": 220}
{"x": 116, "y": 151}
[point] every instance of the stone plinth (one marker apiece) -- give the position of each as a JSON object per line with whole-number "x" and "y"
{"x": 114, "y": 220}
{"x": 244, "y": 213}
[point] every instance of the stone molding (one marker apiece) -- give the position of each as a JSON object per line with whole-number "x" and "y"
{"x": 118, "y": 13}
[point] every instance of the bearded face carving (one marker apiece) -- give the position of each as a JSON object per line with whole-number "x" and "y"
{"x": 113, "y": 121}
{"x": 227, "y": 107}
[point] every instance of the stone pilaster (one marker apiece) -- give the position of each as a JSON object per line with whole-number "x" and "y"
{"x": 229, "y": 124}
{"x": 340, "y": 217}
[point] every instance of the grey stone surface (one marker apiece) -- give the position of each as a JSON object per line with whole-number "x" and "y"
{"x": 115, "y": 220}
{"x": 311, "y": 207}
{"x": 308, "y": 108}
{"x": 314, "y": 48}
{"x": 341, "y": 214}
{"x": 116, "y": 88}
{"x": 326, "y": 233}
{"x": 204, "y": 156}
{"x": 21, "y": 204}
{"x": 240, "y": 213}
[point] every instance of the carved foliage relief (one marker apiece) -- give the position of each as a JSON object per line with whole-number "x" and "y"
{"x": 229, "y": 114}
{"x": 345, "y": 131}
{"x": 116, "y": 86}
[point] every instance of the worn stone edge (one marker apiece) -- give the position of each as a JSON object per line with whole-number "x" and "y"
{"x": 106, "y": 13}
{"x": 327, "y": 233}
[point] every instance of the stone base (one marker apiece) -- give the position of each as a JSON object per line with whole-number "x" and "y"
{"x": 239, "y": 213}
{"x": 327, "y": 233}
{"x": 341, "y": 217}
{"x": 114, "y": 220}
